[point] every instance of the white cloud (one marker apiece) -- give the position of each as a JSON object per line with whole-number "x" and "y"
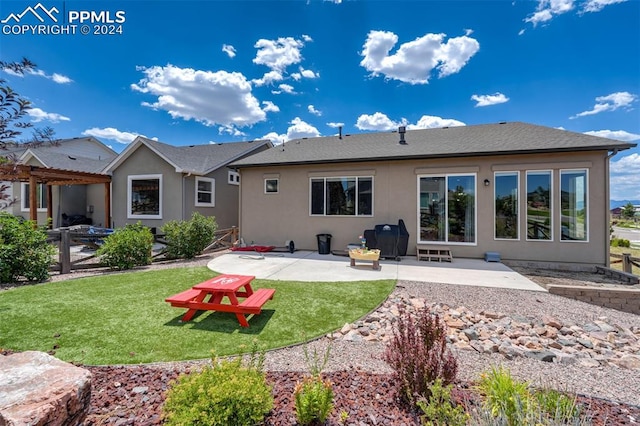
{"x": 620, "y": 135}
{"x": 433, "y": 122}
{"x": 111, "y": 133}
{"x": 268, "y": 78}
{"x": 307, "y": 38}
{"x": 335, "y": 125}
{"x": 314, "y": 111}
{"x": 548, "y": 9}
{"x": 334, "y": 1}
{"x": 301, "y": 129}
{"x": 414, "y": 61}
{"x": 296, "y": 76}
{"x": 229, "y": 50}
{"x": 37, "y": 115}
{"x": 487, "y": 100}
{"x": 285, "y": 88}
{"x": 230, "y": 130}
{"x": 610, "y": 102}
{"x": 626, "y": 164}
{"x": 598, "y": 5}
{"x": 278, "y": 54}
{"x": 205, "y": 96}
{"x": 57, "y": 78}
{"x": 308, "y": 73}
{"x": 377, "y": 121}
{"x": 380, "y": 121}
{"x": 625, "y": 181}
{"x": 298, "y": 129}
{"x": 270, "y": 107}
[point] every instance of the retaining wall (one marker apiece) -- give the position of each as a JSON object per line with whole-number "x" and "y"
{"x": 626, "y": 300}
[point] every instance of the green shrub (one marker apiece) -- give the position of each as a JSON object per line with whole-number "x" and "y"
{"x": 620, "y": 242}
{"x": 228, "y": 393}
{"x": 512, "y": 402}
{"x": 418, "y": 354}
{"x": 314, "y": 396}
{"x": 24, "y": 251}
{"x": 439, "y": 409}
{"x": 187, "y": 239}
{"x": 127, "y": 247}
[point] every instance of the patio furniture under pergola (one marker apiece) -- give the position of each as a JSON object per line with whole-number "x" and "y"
{"x": 49, "y": 176}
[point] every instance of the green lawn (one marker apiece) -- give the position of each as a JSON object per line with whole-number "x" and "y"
{"x": 123, "y": 318}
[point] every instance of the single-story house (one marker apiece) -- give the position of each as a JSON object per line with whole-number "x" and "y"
{"x": 528, "y": 192}
{"x": 153, "y": 182}
{"x": 86, "y": 156}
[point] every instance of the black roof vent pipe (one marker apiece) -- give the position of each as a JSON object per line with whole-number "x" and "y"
{"x": 402, "y": 130}
{"x": 339, "y": 132}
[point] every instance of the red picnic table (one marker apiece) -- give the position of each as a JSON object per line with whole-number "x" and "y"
{"x": 221, "y": 294}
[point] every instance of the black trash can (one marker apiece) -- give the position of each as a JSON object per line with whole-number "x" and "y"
{"x": 324, "y": 243}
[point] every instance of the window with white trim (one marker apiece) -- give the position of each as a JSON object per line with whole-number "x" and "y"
{"x": 205, "y": 192}
{"x": 271, "y": 186}
{"x": 25, "y": 196}
{"x": 144, "y": 197}
{"x": 539, "y": 205}
{"x": 447, "y": 208}
{"x": 233, "y": 178}
{"x": 573, "y": 204}
{"x": 341, "y": 196}
{"x": 506, "y": 209}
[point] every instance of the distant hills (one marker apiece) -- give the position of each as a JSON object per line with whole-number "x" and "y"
{"x": 619, "y": 203}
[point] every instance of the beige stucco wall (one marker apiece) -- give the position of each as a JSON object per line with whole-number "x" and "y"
{"x": 144, "y": 162}
{"x": 275, "y": 218}
{"x": 226, "y": 199}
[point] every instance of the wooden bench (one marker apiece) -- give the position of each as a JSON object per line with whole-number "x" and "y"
{"x": 428, "y": 252}
{"x": 181, "y": 300}
{"x": 254, "y": 303}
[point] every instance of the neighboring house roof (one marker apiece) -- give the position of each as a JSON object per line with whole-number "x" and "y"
{"x": 71, "y": 146}
{"x": 61, "y": 161}
{"x": 195, "y": 159}
{"x": 462, "y": 141}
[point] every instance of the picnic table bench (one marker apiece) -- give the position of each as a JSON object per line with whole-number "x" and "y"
{"x": 210, "y": 295}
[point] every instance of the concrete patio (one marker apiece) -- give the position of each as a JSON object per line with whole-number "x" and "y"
{"x": 311, "y": 266}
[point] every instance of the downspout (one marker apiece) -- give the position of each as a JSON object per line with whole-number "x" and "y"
{"x": 607, "y": 191}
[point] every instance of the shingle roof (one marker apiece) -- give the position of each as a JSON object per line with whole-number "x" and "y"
{"x": 476, "y": 140}
{"x": 199, "y": 159}
{"x": 62, "y": 161}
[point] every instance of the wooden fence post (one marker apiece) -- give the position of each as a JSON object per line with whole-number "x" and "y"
{"x": 234, "y": 235}
{"x": 65, "y": 251}
{"x": 626, "y": 262}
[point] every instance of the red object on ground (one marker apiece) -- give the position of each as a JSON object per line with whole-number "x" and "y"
{"x": 215, "y": 290}
{"x": 259, "y": 249}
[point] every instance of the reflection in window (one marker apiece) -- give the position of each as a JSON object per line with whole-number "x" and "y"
{"x": 145, "y": 196}
{"x": 539, "y": 214}
{"x": 271, "y": 186}
{"x": 573, "y": 202}
{"x": 41, "y": 194}
{"x": 205, "y": 192}
{"x": 506, "y": 205}
{"x": 447, "y": 208}
{"x": 342, "y": 196}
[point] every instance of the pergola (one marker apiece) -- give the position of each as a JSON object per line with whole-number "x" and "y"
{"x": 36, "y": 174}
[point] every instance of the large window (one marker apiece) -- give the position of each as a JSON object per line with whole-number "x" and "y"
{"x": 342, "y": 196}
{"x": 205, "y": 192}
{"x": 539, "y": 206}
{"x": 448, "y": 208}
{"x": 506, "y": 206}
{"x": 25, "y": 196}
{"x": 573, "y": 202}
{"x": 144, "y": 197}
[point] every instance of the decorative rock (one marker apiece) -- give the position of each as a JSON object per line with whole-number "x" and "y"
{"x": 470, "y": 333}
{"x": 38, "y": 389}
{"x": 552, "y": 322}
{"x": 546, "y": 356}
{"x": 630, "y": 362}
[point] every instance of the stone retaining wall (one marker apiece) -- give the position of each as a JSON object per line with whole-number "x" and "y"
{"x": 626, "y": 300}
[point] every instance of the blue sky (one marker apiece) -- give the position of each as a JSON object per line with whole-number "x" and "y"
{"x": 192, "y": 72}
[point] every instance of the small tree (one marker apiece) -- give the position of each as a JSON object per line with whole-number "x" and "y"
{"x": 628, "y": 211}
{"x": 187, "y": 239}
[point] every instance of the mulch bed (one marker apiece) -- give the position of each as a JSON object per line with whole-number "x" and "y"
{"x": 134, "y": 396}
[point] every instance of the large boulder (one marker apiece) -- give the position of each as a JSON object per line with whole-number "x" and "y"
{"x": 37, "y": 389}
